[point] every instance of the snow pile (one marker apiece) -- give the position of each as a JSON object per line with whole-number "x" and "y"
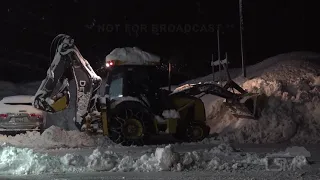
{"x": 293, "y": 151}
{"x": 298, "y": 156}
{"x": 161, "y": 160}
{"x": 19, "y": 161}
{"x": 221, "y": 158}
{"x": 24, "y": 161}
{"x": 261, "y": 67}
{"x": 53, "y": 137}
{"x": 298, "y": 151}
{"x": 291, "y": 113}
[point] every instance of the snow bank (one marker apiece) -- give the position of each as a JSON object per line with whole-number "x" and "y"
{"x": 292, "y": 112}
{"x": 24, "y": 161}
{"x": 163, "y": 159}
{"x": 53, "y": 137}
{"x": 293, "y": 151}
{"x": 261, "y": 67}
{"x": 221, "y": 158}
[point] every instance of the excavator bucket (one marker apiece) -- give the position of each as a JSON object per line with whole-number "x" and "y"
{"x": 61, "y": 104}
{"x": 242, "y": 104}
{"x": 249, "y": 106}
{"x": 256, "y": 104}
{"x": 62, "y": 98}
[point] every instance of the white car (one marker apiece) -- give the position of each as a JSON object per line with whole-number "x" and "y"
{"x": 18, "y": 114}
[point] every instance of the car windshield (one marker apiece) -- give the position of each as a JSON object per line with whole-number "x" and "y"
{"x": 29, "y": 104}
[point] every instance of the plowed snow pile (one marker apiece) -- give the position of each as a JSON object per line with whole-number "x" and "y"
{"x": 222, "y": 158}
{"x": 53, "y": 137}
{"x": 292, "y": 112}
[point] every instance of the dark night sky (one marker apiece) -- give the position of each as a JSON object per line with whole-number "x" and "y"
{"x": 270, "y": 28}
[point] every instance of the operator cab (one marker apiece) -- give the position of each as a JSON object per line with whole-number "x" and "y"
{"x": 141, "y": 82}
{"x": 131, "y": 81}
{"x": 134, "y": 73}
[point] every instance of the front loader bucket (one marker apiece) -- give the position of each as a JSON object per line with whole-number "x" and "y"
{"x": 250, "y": 106}
{"x": 255, "y": 104}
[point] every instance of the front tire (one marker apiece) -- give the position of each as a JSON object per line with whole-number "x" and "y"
{"x": 130, "y": 123}
{"x": 193, "y": 132}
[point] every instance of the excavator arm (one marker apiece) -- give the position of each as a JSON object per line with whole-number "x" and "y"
{"x": 242, "y": 101}
{"x": 68, "y": 64}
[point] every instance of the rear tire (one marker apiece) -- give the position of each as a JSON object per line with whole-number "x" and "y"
{"x": 130, "y": 123}
{"x": 41, "y": 131}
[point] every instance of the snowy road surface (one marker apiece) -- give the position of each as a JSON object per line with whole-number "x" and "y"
{"x": 254, "y": 175}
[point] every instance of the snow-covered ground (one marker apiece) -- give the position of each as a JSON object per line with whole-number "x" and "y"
{"x": 174, "y": 158}
{"x": 52, "y": 137}
{"x": 242, "y": 151}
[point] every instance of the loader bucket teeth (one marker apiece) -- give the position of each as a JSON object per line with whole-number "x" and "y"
{"x": 249, "y": 107}
{"x": 250, "y": 104}
{"x": 261, "y": 103}
{"x": 255, "y": 104}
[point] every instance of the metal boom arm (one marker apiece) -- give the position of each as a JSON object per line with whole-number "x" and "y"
{"x": 68, "y": 64}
